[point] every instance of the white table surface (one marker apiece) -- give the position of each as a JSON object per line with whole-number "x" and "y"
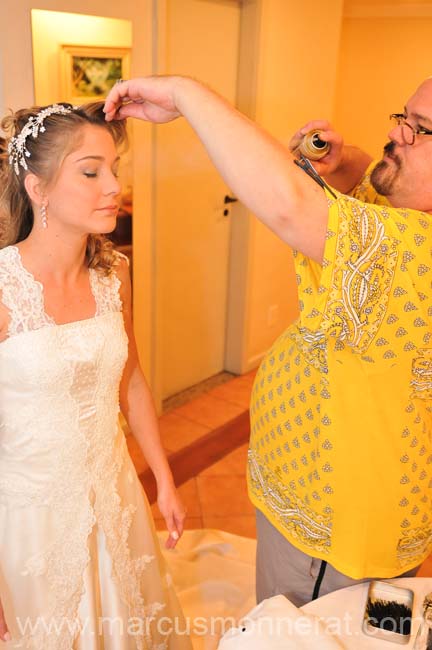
{"x": 343, "y": 610}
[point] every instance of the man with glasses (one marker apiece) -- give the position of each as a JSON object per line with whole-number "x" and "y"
{"x": 340, "y": 457}
{"x": 399, "y": 178}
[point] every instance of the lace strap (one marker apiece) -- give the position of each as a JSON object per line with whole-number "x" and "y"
{"x": 22, "y": 295}
{"x": 106, "y": 288}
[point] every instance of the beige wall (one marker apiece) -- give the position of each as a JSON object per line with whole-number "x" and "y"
{"x": 17, "y": 90}
{"x": 386, "y": 51}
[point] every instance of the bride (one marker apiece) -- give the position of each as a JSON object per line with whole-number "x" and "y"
{"x": 80, "y": 565}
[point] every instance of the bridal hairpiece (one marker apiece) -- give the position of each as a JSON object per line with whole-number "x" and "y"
{"x": 17, "y": 149}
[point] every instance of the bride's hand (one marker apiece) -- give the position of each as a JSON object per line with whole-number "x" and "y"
{"x": 4, "y": 632}
{"x": 173, "y": 511}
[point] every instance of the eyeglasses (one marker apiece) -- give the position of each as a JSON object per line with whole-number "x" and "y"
{"x": 408, "y": 132}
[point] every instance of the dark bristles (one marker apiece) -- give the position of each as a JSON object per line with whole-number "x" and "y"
{"x": 389, "y": 615}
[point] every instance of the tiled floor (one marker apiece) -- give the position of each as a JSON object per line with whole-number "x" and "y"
{"x": 217, "y": 496}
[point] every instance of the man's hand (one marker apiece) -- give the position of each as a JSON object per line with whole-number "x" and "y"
{"x": 332, "y": 160}
{"x": 146, "y": 98}
{"x": 344, "y": 165}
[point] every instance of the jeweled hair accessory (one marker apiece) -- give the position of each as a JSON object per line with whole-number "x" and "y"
{"x": 18, "y": 152}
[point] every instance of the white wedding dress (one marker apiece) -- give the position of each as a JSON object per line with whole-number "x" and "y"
{"x": 80, "y": 565}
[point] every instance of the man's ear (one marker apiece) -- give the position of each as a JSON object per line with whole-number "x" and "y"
{"x": 34, "y": 189}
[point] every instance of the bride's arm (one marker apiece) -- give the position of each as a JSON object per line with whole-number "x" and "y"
{"x": 137, "y": 407}
{"x": 4, "y": 320}
{"x": 4, "y": 631}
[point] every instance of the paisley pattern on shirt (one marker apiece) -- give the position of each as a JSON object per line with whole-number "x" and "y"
{"x": 341, "y": 408}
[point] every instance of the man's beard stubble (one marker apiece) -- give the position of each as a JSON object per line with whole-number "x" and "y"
{"x": 383, "y": 177}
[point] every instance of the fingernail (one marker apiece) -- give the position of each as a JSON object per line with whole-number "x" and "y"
{"x": 7, "y": 637}
{"x": 174, "y": 534}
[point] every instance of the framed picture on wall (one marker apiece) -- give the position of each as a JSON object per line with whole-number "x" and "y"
{"x": 88, "y": 73}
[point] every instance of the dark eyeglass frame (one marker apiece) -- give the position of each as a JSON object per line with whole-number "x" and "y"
{"x": 401, "y": 120}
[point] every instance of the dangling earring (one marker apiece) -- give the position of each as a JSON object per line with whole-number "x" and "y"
{"x": 43, "y": 212}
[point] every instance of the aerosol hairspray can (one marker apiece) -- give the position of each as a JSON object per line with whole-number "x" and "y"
{"x": 312, "y": 146}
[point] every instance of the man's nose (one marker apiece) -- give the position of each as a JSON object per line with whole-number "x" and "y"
{"x": 396, "y": 135}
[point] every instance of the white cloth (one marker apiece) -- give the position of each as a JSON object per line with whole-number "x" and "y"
{"x": 276, "y": 624}
{"x": 80, "y": 565}
{"x": 214, "y": 575}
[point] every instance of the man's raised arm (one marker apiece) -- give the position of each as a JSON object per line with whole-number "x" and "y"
{"x": 257, "y": 168}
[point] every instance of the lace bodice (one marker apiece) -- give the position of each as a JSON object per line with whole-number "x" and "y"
{"x": 23, "y": 296}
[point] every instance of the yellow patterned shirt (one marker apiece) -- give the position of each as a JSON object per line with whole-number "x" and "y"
{"x": 340, "y": 458}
